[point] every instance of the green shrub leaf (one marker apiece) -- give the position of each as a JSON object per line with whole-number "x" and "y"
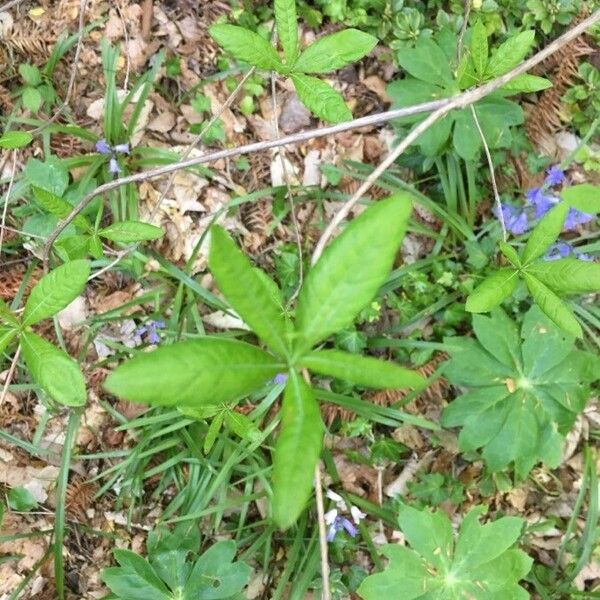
{"x": 492, "y": 290}
{"x": 545, "y": 232}
{"x": 56, "y": 290}
{"x": 335, "y": 51}
{"x": 58, "y": 207}
{"x": 131, "y": 231}
{"x": 350, "y": 271}
{"x": 287, "y": 28}
{"x": 361, "y": 370}
{"x": 12, "y": 140}
{"x": 510, "y": 53}
{"x": 296, "y": 452}
{"x": 321, "y": 99}
{"x": 53, "y": 370}
{"x": 246, "y": 46}
{"x": 427, "y": 62}
{"x": 479, "y": 48}
{"x": 526, "y": 84}
{"x": 204, "y": 371}
{"x": 567, "y": 275}
{"x": 7, "y": 335}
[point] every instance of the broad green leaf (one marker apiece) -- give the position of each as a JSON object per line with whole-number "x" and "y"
{"x": 7, "y": 335}
{"x": 205, "y": 371}
{"x": 499, "y": 336}
{"x": 335, "y": 51}
{"x": 246, "y": 46}
{"x": 361, "y": 370}
{"x": 31, "y": 74}
{"x": 287, "y": 28}
{"x": 73, "y": 247}
{"x": 56, "y": 290}
{"x": 479, "y": 48}
{"x": 427, "y": 62}
{"x": 496, "y": 116}
{"x": 552, "y": 305}
{"x": 21, "y": 499}
{"x": 252, "y": 294}
{"x": 6, "y": 315}
{"x": 58, "y": 207}
{"x": 584, "y": 197}
{"x": 350, "y": 271}
{"x": 510, "y": 53}
{"x": 466, "y": 137}
{"x": 492, "y": 290}
{"x": 135, "y": 579}
{"x": 53, "y": 370}
{"x": 510, "y": 253}
{"x": 545, "y": 232}
{"x": 12, "y": 140}
{"x": 296, "y": 452}
{"x": 321, "y": 99}
{"x": 526, "y": 84}
{"x": 51, "y": 175}
{"x": 131, "y": 231}
{"x": 567, "y": 275}
{"x": 32, "y": 99}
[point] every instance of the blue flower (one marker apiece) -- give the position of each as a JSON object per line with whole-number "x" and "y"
{"x": 575, "y": 218}
{"x": 515, "y": 219}
{"x": 540, "y": 201}
{"x": 336, "y": 522}
{"x": 113, "y": 165}
{"x": 554, "y": 176}
{"x": 121, "y": 148}
{"x": 149, "y": 330}
{"x": 563, "y": 250}
{"x": 280, "y": 378}
{"x": 103, "y": 147}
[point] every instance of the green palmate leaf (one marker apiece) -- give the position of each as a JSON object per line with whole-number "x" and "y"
{"x": 287, "y": 28}
{"x": 545, "y": 232}
{"x": 58, "y": 207}
{"x": 510, "y": 53}
{"x": 247, "y": 46}
{"x": 250, "y": 292}
{"x": 15, "y": 139}
{"x": 480, "y": 564}
{"x": 321, "y": 99}
{"x": 73, "y": 247}
{"x": 53, "y": 370}
{"x": 6, "y": 315}
{"x": 335, "y": 51}
{"x": 510, "y": 253}
{"x": 361, "y": 370}
{"x": 524, "y": 391}
{"x": 552, "y": 305}
{"x": 131, "y": 231}
{"x": 204, "y": 371}
{"x": 492, "y": 290}
{"x": 7, "y": 335}
{"x": 584, "y": 197}
{"x": 32, "y": 99}
{"x": 479, "y": 48}
{"x": 427, "y": 62}
{"x": 350, "y": 271}
{"x": 526, "y": 84}
{"x": 296, "y": 452}
{"x": 567, "y": 275}
{"x": 56, "y": 290}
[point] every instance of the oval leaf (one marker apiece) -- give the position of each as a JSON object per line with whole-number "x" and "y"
{"x": 584, "y": 197}
{"x": 554, "y": 308}
{"x": 56, "y": 290}
{"x": 296, "y": 452}
{"x": 12, "y": 140}
{"x": 526, "y": 84}
{"x": 131, "y": 231}
{"x": 510, "y": 54}
{"x": 57, "y": 206}
{"x": 350, "y": 271}
{"x": 204, "y": 371}
{"x": 287, "y": 28}
{"x": 53, "y": 370}
{"x": 568, "y": 275}
{"x": 335, "y": 51}
{"x": 361, "y": 370}
{"x": 7, "y": 335}
{"x": 250, "y": 292}
{"x": 247, "y": 46}
{"x": 321, "y": 99}
{"x": 545, "y": 232}
{"x": 492, "y": 291}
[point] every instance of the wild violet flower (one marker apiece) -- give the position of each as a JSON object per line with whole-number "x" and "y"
{"x": 575, "y": 218}
{"x": 515, "y": 218}
{"x": 280, "y": 378}
{"x": 564, "y": 250}
{"x": 149, "y": 331}
{"x": 103, "y": 147}
{"x": 541, "y": 201}
{"x": 554, "y": 176}
{"x": 337, "y": 522}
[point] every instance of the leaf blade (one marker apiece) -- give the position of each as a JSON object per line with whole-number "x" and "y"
{"x": 131, "y": 231}
{"x": 321, "y": 99}
{"x": 492, "y": 291}
{"x": 287, "y": 28}
{"x": 545, "y": 232}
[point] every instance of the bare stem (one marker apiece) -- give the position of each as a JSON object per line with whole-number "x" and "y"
{"x": 326, "y": 595}
{"x": 9, "y": 376}
{"x": 7, "y": 197}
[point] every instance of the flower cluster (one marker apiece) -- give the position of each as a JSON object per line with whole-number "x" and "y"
{"x": 335, "y": 520}
{"x": 103, "y": 147}
{"x": 149, "y": 331}
{"x": 564, "y": 250}
{"x": 539, "y": 201}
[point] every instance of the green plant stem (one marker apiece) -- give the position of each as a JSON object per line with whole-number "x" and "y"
{"x": 61, "y": 489}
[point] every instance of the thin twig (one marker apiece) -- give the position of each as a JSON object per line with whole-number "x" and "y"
{"x": 9, "y": 5}
{"x": 9, "y": 376}
{"x": 326, "y": 595}
{"x": 374, "y": 176}
{"x": 7, "y": 198}
{"x": 463, "y": 30}
{"x": 490, "y": 163}
{"x": 460, "y": 101}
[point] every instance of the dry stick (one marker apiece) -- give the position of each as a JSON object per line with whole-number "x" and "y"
{"x": 9, "y": 5}
{"x": 463, "y": 30}
{"x": 9, "y": 376}
{"x": 326, "y": 595}
{"x": 7, "y": 198}
{"x": 490, "y": 163}
{"x": 460, "y": 101}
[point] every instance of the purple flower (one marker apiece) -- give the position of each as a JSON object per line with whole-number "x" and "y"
{"x": 576, "y": 218}
{"x": 563, "y": 250}
{"x": 113, "y": 165}
{"x": 149, "y": 329}
{"x": 338, "y": 523}
{"x": 515, "y": 219}
{"x": 554, "y": 176}
{"x": 103, "y": 147}
{"x": 122, "y": 148}
{"x": 542, "y": 202}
